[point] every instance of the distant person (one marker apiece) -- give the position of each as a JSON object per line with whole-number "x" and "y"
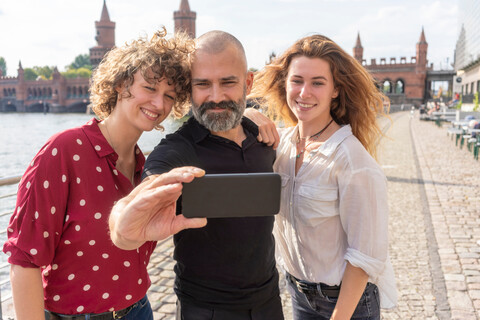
{"x": 225, "y": 270}
{"x": 332, "y": 229}
{"x": 63, "y": 263}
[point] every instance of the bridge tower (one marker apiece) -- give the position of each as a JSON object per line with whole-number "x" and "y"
{"x": 105, "y": 37}
{"x": 422, "y": 47}
{"x": 358, "y": 50}
{"x": 185, "y": 19}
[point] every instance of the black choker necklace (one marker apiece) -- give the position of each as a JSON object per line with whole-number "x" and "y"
{"x": 312, "y": 137}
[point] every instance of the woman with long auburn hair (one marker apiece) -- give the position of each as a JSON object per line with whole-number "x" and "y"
{"x": 332, "y": 229}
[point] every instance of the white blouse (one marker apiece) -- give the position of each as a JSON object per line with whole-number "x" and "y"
{"x": 335, "y": 209}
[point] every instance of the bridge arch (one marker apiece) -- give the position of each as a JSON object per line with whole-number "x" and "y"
{"x": 399, "y": 86}
{"x": 387, "y": 86}
{"x": 79, "y": 106}
{"x": 38, "y": 107}
{"x": 10, "y": 107}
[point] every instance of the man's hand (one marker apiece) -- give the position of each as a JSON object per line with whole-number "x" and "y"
{"x": 267, "y": 131}
{"x": 148, "y": 212}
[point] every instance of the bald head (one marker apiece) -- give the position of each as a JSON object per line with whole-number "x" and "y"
{"x": 216, "y": 41}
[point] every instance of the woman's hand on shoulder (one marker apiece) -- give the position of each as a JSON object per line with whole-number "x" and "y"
{"x": 267, "y": 131}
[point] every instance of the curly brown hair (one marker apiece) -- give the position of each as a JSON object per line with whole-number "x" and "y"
{"x": 358, "y": 103}
{"x": 157, "y": 59}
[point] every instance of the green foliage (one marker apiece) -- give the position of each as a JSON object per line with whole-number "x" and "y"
{"x": 475, "y": 101}
{"x": 44, "y": 72}
{"x": 84, "y": 72}
{"x": 81, "y": 61}
{"x": 459, "y": 104}
{"x": 30, "y": 74}
{"x": 77, "y": 73}
{"x": 3, "y": 66}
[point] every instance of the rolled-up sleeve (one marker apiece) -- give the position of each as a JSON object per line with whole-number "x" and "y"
{"x": 36, "y": 225}
{"x": 363, "y": 208}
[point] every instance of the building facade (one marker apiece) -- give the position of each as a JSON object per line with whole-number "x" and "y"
{"x": 403, "y": 81}
{"x": 105, "y": 37}
{"x": 184, "y": 19}
{"x": 72, "y": 95}
{"x": 467, "y": 53}
{"x": 58, "y": 94}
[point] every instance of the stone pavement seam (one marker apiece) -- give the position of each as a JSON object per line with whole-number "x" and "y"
{"x": 439, "y": 287}
{"x": 452, "y": 187}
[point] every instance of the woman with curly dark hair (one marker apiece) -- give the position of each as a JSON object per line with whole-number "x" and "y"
{"x": 332, "y": 229}
{"x": 64, "y": 264}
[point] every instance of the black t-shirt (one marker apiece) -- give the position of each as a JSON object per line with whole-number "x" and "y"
{"x": 230, "y": 263}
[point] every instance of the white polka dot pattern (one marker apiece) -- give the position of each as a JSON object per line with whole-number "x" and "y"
{"x": 75, "y": 187}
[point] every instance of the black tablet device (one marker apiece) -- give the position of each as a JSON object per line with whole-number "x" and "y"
{"x": 232, "y": 195}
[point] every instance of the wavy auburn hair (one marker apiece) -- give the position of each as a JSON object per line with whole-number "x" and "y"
{"x": 156, "y": 59}
{"x": 358, "y": 103}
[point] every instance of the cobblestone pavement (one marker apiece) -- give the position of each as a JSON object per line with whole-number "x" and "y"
{"x": 434, "y": 200}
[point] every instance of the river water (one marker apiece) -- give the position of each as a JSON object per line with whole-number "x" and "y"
{"x": 23, "y": 134}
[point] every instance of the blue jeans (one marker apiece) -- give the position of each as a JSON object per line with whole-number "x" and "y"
{"x": 316, "y": 306}
{"x": 141, "y": 311}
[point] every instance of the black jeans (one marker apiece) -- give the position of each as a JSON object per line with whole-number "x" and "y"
{"x": 271, "y": 310}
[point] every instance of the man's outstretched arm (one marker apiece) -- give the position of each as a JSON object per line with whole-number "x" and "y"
{"x": 148, "y": 212}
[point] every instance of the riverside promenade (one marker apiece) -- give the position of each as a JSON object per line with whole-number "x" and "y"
{"x": 434, "y": 199}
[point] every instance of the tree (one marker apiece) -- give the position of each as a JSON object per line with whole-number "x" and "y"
{"x": 77, "y": 73}
{"x": 30, "y": 74}
{"x": 3, "y": 66}
{"x": 45, "y": 72}
{"x": 81, "y": 61}
{"x": 84, "y": 72}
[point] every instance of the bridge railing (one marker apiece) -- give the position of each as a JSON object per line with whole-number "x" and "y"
{"x": 5, "y": 280}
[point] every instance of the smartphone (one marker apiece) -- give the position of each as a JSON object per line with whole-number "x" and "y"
{"x": 232, "y": 195}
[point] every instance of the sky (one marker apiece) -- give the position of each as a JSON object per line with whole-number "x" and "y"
{"x": 54, "y": 32}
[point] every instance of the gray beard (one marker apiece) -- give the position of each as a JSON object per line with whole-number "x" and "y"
{"x": 226, "y": 120}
